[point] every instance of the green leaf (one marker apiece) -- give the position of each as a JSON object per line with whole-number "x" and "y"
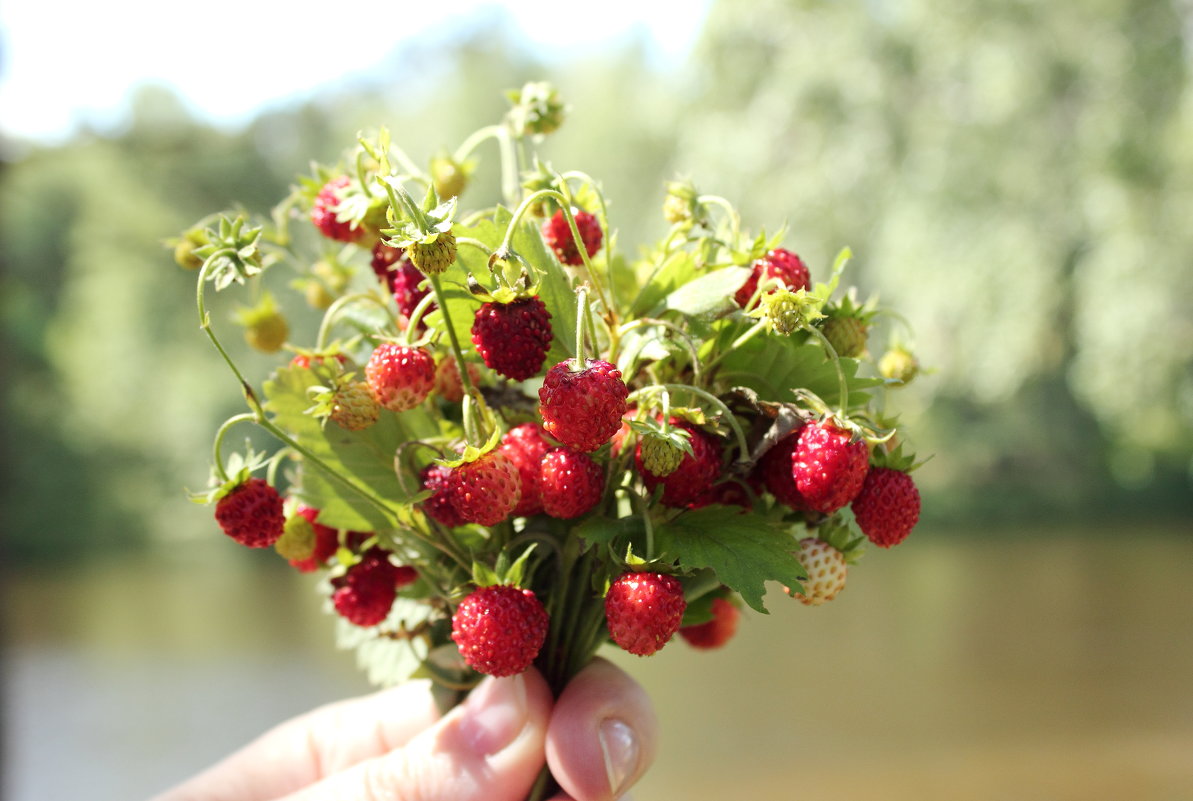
{"x": 745, "y": 551}
{"x": 677, "y": 270}
{"x": 604, "y": 530}
{"x": 709, "y": 295}
{"x": 364, "y": 457}
{"x": 773, "y": 365}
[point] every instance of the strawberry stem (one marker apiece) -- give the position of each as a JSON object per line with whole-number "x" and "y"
{"x": 581, "y": 325}
{"x": 217, "y": 446}
{"x": 470, "y": 410}
{"x": 842, "y": 384}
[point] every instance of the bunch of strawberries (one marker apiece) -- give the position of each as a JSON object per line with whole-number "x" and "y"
{"x": 630, "y": 448}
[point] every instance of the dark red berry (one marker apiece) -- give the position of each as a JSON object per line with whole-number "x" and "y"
{"x": 437, "y": 479}
{"x": 583, "y": 408}
{"x": 887, "y": 507}
{"x": 643, "y": 611}
{"x": 558, "y": 235}
{"x": 513, "y": 338}
{"x": 774, "y": 468}
{"x": 716, "y": 632}
{"x": 252, "y": 514}
{"x": 780, "y": 264}
{"x": 828, "y": 466}
{"x": 571, "y": 483}
{"x": 525, "y": 447}
{"x": 487, "y": 490}
{"x": 323, "y": 212}
{"x": 500, "y": 629}
{"x": 366, "y": 592}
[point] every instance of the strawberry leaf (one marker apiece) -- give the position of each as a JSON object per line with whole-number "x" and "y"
{"x": 745, "y": 551}
{"x": 772, "y": 366}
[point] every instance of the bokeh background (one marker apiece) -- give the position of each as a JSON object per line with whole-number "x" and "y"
{"x": 1015, "y": 177}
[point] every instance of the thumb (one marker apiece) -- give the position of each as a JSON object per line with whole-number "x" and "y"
{"x": 488, "y": 749}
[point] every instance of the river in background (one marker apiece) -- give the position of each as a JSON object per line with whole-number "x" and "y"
{"x": 1008, "y": 668}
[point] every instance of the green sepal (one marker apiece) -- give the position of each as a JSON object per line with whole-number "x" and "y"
{"x": 837, "y": 533}
{"x": 472, "y": 453}
{"x": 245, "y": 259}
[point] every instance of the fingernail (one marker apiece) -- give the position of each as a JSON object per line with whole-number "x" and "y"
{"x": 619, "y": 748}
{"x": 497, "y": 713}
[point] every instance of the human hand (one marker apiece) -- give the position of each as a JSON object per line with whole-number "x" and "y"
{"x": 598, "y": 738}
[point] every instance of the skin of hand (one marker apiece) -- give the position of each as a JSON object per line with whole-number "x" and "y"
{"x": 598, "y": 738}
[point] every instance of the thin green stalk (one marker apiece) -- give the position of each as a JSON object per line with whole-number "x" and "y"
{"x": 465, "y": 379}
{"x": 205, "y": 324}
{"x": 216, "y": 447}
{"x": 475, "y": 140}
{"x": 606, "y": 244}
{"x": 581, "y": 325}
{"x": 651, "y": 321}
{"x": 727, "y": 207}
{"x": 842, "y": 384}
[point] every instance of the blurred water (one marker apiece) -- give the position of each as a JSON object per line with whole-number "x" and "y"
{"x": 1006, "y": 669}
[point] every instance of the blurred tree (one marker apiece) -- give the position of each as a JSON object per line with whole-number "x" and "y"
{"x": 1014, "y": 177}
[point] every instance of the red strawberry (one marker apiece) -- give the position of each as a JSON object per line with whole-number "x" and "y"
{"x": 644, "y": 610}
{"x": 500, "y": 629}
{"x": 583, "y": 408}
{"x": 313, "y": 360}
{"x": 782, "y": 264}
{"x": 400, "y": 377}
{"x": 525, "y": 447}
{"x": 513, "y": 338}
{"x": 887, "y": 507}
{"x": 571, "y": 483}
{"x": 437, "y": 479}
{"x": 252, "y": 514}
{"x": 365, "y": 594}
{"x": 448, "y": 384}
{"x": 326, "y": 542}
{"x": 558, "y": 235}
{"x": 715, "y": 632}
{"x": 774, "y": 468}
{"x": 487, "y": 490}
{"x": 323, "y": 212}
{"x": 696, "y": 471}
{"x": 826, "y": 571}
{"x": 829, "y": 469}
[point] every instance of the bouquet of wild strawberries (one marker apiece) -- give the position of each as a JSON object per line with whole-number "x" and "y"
{"x": 508, "y": 444}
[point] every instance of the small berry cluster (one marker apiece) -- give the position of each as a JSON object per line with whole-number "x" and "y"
{"x": 589, "y": 464}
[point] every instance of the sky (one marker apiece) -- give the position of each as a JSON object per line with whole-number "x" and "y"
{"x": 64, "y": 64}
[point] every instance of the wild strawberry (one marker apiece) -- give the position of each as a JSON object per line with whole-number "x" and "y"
{"x": 449, "y": 176}
{"x": 571, "y": 483}
{"x": 265, "y": 328}
{"x": 887, "y": 507}
{"x": 583, "y": 408}
{"x": 311, "y": 361}
{"x": 500, "y": 629}
{"x": 774, "y": 468}
{"x": 898, "y": 365}
{"x": 696, "y": 471}
{"x": 437, "y": 479}
{"x": 513, "y": 338}
{"x": 643, "y": 611}
{"x": 826, "y": 570}
{"x": 620, "y": 436}
{"x": 252, "y": 514}
{"x": 448, "y": 384}
{"x": 326, "y": 541}
{"x": 780, "y": 264}
{"x": 558, "y": 235}
{"x": 400, "y": 377}
{"x": 660, "y": 457}
{"x": 847, "y": 335}
{"x": 353, "y": 406}
{"x": 385, "y": 260}
{"x": 365, "y": 594}
{"x": 716, "y": 632}
{"x": 525, "y": 447}
{"x": 433, "y": 258}
{"x": 829, "y": 469}
{"x": 323, "y": 212}
{"x": 487, "y": 490}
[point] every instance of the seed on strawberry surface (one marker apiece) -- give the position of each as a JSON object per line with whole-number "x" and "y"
{"x": 500, "y": 629}
{"x": 644, "y": 610}
{"x": 583, "y": 408}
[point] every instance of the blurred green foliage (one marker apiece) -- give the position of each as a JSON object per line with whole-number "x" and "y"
{"x": 1016, "y": 178}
